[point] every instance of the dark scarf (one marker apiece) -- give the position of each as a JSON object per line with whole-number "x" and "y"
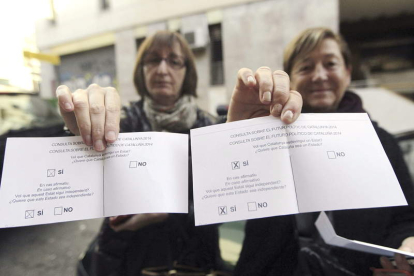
{"x": 350, "y": 103}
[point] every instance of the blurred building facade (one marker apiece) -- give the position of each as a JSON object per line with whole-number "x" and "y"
{"x": 381, "y": 37}
{"x": 97, "y": 40}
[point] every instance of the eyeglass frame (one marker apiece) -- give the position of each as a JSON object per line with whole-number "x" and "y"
{"x": 156, "y": 61}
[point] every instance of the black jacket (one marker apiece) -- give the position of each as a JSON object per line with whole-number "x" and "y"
{"x": 388, "y": 226}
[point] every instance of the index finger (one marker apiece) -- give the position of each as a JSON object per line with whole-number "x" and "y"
{"x": 245, "y": 77}
{"x": 265, "y": 83}
{"x": 281, "y": 91}
{"x": 64, "y": 97}
{"x": 112, "y": 114}
{"x": 66, "y": 107}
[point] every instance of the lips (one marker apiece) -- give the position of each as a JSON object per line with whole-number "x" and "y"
{"x": 162, "y": 83}
{"x": 320, "y": 90}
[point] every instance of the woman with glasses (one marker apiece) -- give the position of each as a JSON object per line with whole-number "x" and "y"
{"x": 166, "y": 79}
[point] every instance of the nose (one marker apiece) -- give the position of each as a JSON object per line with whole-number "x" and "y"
{"x": 319, "y": 73}
{"x": 162, "y": 67}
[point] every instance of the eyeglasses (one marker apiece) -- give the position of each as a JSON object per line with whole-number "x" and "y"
{"x": 174, "y": 62}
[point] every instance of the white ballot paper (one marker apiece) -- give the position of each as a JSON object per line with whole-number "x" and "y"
{"x": 328, "y": 234}
{"x": 48, "y": 180}
{"x": 261, "y": 167}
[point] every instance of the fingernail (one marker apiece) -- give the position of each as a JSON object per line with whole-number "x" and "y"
{"x": 68, "y": 106}
{"x": 110, "y": 135}
{"x": 88, "y": 140}
{"x": 250, "y": 79}
{"x": 288, "y": 115}
{"x": 267, "y": 96}
{"x": 60, "y": 90}
{"x": 98, "y": 145}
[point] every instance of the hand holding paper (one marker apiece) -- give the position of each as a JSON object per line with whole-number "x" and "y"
{"x": 264, "y": 93}
{"x": 263, "y": 168}
{"x": 61, "y": 179}
{"x": 93, "y": 113}
{"x": 328, "y": 234}
{"x": 407, "y": 245}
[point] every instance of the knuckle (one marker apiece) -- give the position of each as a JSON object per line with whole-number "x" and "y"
{"x": 84, "y": 127}
{"x": 113, "y": 109}
{"x": 282, "y": 89}
{"x": 79, "y": 91}
{"x": 264, "y": 68}
{"x": 280, "y": 73}
{"x": 80, "y": 104}
{"x": 97, "y": 132}
{"x": 111, "y": 89}
{"x": 97, "y": 109}
{"x": 266, "y": 83}
{"x": 93, "y": 87}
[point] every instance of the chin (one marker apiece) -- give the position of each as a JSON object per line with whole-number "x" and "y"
{"x": 165, "y": 98}
{"x": 319, "y": 107}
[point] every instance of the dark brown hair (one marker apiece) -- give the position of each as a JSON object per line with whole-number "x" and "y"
{"x": 309, "y": 40}
{"x": 160, "y": 40}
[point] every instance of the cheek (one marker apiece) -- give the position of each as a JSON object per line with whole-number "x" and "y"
{"x": 341, "y": 83}
{"x": 147, "y": 78}
{"x": 179, "y": 79}
{"x": 298, "y": 84}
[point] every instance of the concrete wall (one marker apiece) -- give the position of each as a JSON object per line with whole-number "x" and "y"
{"x": 78, "y": 19}
{"x": 125, "y": 51}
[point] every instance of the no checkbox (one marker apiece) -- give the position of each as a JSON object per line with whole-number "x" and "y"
{"x": 58, "y": 211}
{"x": 331, "y": 154}
{"x": 251, "y": 206}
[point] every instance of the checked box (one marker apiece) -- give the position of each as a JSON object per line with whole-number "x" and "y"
{"x": 235, "y": 165}
{"x": 51, "y": 172}
{"x": 222, "y": 210}
{"x": 29, "y": 214}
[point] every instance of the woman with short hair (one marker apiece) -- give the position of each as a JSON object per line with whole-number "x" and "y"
{"x": 318, "y": 62}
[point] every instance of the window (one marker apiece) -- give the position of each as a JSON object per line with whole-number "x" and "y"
{"x": 104, "y": 5}
{"x": 216, "y": 57}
